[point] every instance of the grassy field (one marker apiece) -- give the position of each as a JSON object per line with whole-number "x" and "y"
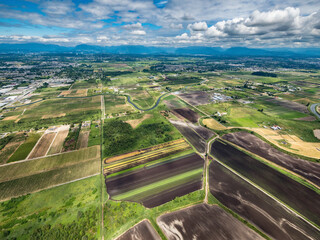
{"x": 25, "y": 148}
{"x": 53, "y": 212}
{"x": 31, "y": 167}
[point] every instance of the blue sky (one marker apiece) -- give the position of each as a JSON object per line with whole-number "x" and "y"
{"x": 224, "y": 23}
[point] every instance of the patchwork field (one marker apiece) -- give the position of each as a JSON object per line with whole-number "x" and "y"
{"x": 213, "y": 124}
{"x": 135, "y": 122}
{"x": 196, "y": 98}
{"x": 83, "y": 139}
{"x": 187, "y": 114}
{"x": 291, "y": 105}
{"x": 33, "y": 175}
{"x": 132, "y": 159}
{"x": 25, "y": 148}
{"x": 297, "y": 196}
{"x": 159, "y": 181}
{"x": 57, "y": 144}
{"x": 257, "y": 207}
{"x": 307, "y": 169}
{"x": 295, "y": 144}
{"x": 193, "y": 137}
{"x": 9, "y": 144}
{"x": 42, "y": 146}
{"x": 204, "y": 222}
{"x": 142, "y": 230}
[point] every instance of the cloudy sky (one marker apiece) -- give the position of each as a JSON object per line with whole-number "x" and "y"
{"x": 221, "y": 23}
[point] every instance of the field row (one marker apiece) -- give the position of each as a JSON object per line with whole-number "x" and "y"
{"x": 144, "y": 156}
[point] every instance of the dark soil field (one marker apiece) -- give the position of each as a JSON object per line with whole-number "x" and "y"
{"x": 196, "y": 98}
{"x": 255, "y": 206}
{"x": 42, "y": 146}
{"x": 290, "y": 105}
{"x": 191, "y": 135}
{"x": 141, "y": 177}
{"x": 205, "y": 222}
{"x": 299, "y": 197}
{"x": 166, "y": 196}
{"x": 203, "y": 132}
{"x": 142, "y": 230}
{"x": 187, "y": 114}
{"x": 307, "y": 169}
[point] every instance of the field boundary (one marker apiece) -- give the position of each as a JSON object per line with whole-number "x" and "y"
{"x": 27, "y": 158}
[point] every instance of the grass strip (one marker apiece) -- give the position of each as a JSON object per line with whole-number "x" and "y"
{"x": 160, "y": 184}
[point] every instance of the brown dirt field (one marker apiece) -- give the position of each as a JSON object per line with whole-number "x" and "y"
{"x": 191, "y": 135}
{"x": 83, "y": 139}
{"x": 290, "y": 105}
{"x": 135, "y": 122}
{"x": 316, "y": 133}
{"x": 196, "y": 98}
{"x": 42, "y": 146}
{"x": 142, "y": 230}
{"x": 213, "y": 124}
{"x": 187, "y": 114}
{"x": 11, "y": 118}
{"x": 297, "y": 146}
{"x": 308, "y": 119}
{"x": 53, "y": 116}
{"x": 299, "y": 197}
{"x": 204, "y": 222}
{"x": 64, "y": 93}
{"x": 57, "y": 145}
{"x": 257, "y": 207}
{"x": 307, "y": 169}
{"x": 82, "y": 92}
{"x": 202, "y": 131}
{"x": 138, "y": 178}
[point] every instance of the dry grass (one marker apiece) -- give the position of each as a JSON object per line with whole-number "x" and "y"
{"x": 11, "y": 118}
{"x": 57, "y": 145}
{"x": 81, "y": 92}
{"x": 316, "y": 133}
{"x": 65, "y": 93}
{"x": 297, "y": 146}
{"x": 135, "y": 122}
{"x": 213, "y": 124}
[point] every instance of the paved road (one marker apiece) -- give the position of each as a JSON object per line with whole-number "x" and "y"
{"x": 313, "y": 109}
{"x": 140, "y": 109}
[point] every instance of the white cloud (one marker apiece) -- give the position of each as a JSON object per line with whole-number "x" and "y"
{"x": 176, "y": 26}
{"x": 138, "y": 32}
{"x": 133, "y": 26}
{"x": 198, "y": 26}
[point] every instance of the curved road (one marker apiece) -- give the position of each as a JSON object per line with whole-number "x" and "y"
{"x": 140, "y": 109}
{"x": 314, "y": 111}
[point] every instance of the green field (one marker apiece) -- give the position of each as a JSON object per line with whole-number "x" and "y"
{"x": 25, "y": 148}
{"x": 69, "y": 211}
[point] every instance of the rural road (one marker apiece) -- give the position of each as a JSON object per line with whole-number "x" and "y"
{"x": 140, "y": 109}
{"x": 313, "y": 109}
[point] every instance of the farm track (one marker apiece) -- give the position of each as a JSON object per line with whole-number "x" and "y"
{"x": 314, "y": 111}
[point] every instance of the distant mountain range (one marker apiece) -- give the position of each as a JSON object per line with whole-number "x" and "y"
{"x": 131, "y": 49}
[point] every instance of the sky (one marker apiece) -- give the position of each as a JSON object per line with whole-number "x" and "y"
{"x": 168, "y": 23}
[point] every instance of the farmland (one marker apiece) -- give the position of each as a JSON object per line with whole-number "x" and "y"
{"x": 107, "y": 146}
{"x": 182, "y": 223}
{"x": 142, "y": 230}
{"x": 129, "y": 160}
{"x": 19, "y": 178}
{"x": 309, "y": 170}
{"x": 257, "y": 207}
{"x": 195, "y": 139}
{"x": 297, "y": 196}
{"x": 159, "y": 181}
